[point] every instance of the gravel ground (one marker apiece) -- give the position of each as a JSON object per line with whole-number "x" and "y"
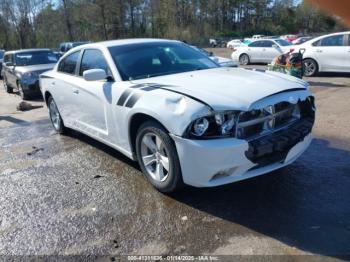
{"x": 70, "y": 195}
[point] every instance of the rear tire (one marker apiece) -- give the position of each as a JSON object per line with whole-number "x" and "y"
{"x": 310, "y": 67}
{"x": 244, "y": 59}
{"x": 7, "y": 88}
{"x": 157, "y": 157}
{"x": 55, "y": 116}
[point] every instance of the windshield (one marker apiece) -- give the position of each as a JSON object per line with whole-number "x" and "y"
{"x": 1, "y": 54}
{"x": 144, "y": 60}
{"x": 282, "y": 42}
{"x": 35, "y": 58}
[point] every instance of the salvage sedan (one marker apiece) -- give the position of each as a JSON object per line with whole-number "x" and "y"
{"x": 185, "y": 119}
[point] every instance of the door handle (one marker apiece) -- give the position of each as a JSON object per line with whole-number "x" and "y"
{"x": 319, "y": 51}
{"x": 76, "y": 91}
{"x": 53, "y": 83}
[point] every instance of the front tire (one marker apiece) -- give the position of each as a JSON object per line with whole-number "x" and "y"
{"x": 157, "y": 156}
{"x": 22, "y": 93}
{"x": 7, "y": 88}
{"x": 55, "y": 117}
{"x": 310, "y": 67}
{"x": 244, "y": 59}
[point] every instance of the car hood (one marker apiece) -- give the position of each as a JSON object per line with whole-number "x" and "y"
{"x": 34, "y": 68}
{"x": 227, "y": 88}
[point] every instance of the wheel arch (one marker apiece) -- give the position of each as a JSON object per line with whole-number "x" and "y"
{"x": 135, "y": 121}
{"x": 46, "y": 97}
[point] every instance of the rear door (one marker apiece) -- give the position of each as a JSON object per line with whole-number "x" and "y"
{"x": 270, "y": 51}
{"x": 331, "y": 52}
{"x": 92, "y": 98}
{"x": 255, "y": 51}
{"x": 63, "y": 85}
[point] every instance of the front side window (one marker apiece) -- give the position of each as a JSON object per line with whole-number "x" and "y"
{"x": 93, "y": 59}
{"x": 257, "y": 44}
{"x": 35, "y": 58}
{"x": 69, "y": 63}
{"x": 348, "y": 40}
{"x": 336, "y": 40}
{"x": 145, "y": 60}
{"x": 8, "y": 58}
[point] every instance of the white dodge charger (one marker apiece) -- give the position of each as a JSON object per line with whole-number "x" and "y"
{"x": 182, "y": 116}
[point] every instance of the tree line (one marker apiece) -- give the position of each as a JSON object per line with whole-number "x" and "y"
{"x": 46, "y": 23}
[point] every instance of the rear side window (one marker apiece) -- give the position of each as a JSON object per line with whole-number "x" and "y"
{"x": 93, "y": 59}
{"x": 268, "y": 43}
{"x": 257, "y": 44}
{"x": 348, "y": 40}
{"x": 68, "y": 64}
{"x": 336, "y": 40}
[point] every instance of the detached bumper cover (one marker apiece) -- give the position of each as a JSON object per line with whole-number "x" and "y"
{"x": 207, "y": 163}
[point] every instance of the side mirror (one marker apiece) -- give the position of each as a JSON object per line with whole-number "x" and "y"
{"x": 275, "y": 46}
{"x": 8, "y": 64}
{"x": 211, "y": 54}
{"x": 95, "y": 75}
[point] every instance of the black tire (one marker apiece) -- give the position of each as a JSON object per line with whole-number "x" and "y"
{"x": 310, "y": 67}
{"x": 22, "y": 93}
{"x": 59, "y": 125}
{"x": 7, "y": 88}
{"x": 173, "y": 182}
{"x": 244, "y": 59}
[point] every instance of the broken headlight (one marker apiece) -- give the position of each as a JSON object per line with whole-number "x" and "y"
{"x": 217, "y": 125}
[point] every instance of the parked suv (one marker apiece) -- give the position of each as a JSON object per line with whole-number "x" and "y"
{"x": 21, "y": 70}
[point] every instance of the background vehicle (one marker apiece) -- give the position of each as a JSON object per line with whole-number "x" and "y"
{"x": 328, "y": 53}
{"x": 1, "y": 61}
{"x": 21, "y": 70}
{"x": 289, "y": 38}
{"x": 128, "y": 94}
{"x": 301, "y": 40}
{"x": 260, "y": 51}
{"x": 234, "y": 43}
{"x": 256, "y": 37}
{"x": 224, "y": 62}
{"x": 66, "y": 46}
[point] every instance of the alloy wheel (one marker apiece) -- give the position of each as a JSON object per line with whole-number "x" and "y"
{"x": 310, "y": 67}
{"x": 155, "y": 156}
{"x": 54, "y": 115}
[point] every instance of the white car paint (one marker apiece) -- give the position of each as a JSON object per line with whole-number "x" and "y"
{"x": 234, "y": 43}
{"x": 258, "y": 53}
{"x": 329, "y": 58}
{"x": 92, "y": 107}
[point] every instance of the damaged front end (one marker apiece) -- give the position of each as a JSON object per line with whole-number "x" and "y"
{"x": 273, "y": 131}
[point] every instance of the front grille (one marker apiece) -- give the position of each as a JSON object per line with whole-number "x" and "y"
{"x": 260, "y": 122}
{"x": 271, "y": 142}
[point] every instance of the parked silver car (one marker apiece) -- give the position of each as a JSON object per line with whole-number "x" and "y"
{"x": 21, "y": 70}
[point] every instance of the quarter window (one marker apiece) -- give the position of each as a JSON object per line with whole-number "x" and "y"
{"x": 336, "y": 40}
{"x": 69, "y": 64}
{"x": 93, "y": 59}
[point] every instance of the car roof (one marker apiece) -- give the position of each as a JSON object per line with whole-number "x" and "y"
{"x": 337, "y": 33}
{"x": 28, "y": 50}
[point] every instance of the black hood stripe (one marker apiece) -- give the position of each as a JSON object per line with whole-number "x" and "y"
{"x": 123, "y": 97}
{"x": 132, "y": 100}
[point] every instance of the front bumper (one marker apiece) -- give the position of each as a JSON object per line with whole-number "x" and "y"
{"x": 208, "y": 163}
{"x": 31, "y": 87}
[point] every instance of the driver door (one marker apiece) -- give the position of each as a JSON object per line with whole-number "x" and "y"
{"x": 92, "y": 98}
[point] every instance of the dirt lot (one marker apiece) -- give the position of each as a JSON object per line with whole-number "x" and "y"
{"x": 70, "y": 195}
